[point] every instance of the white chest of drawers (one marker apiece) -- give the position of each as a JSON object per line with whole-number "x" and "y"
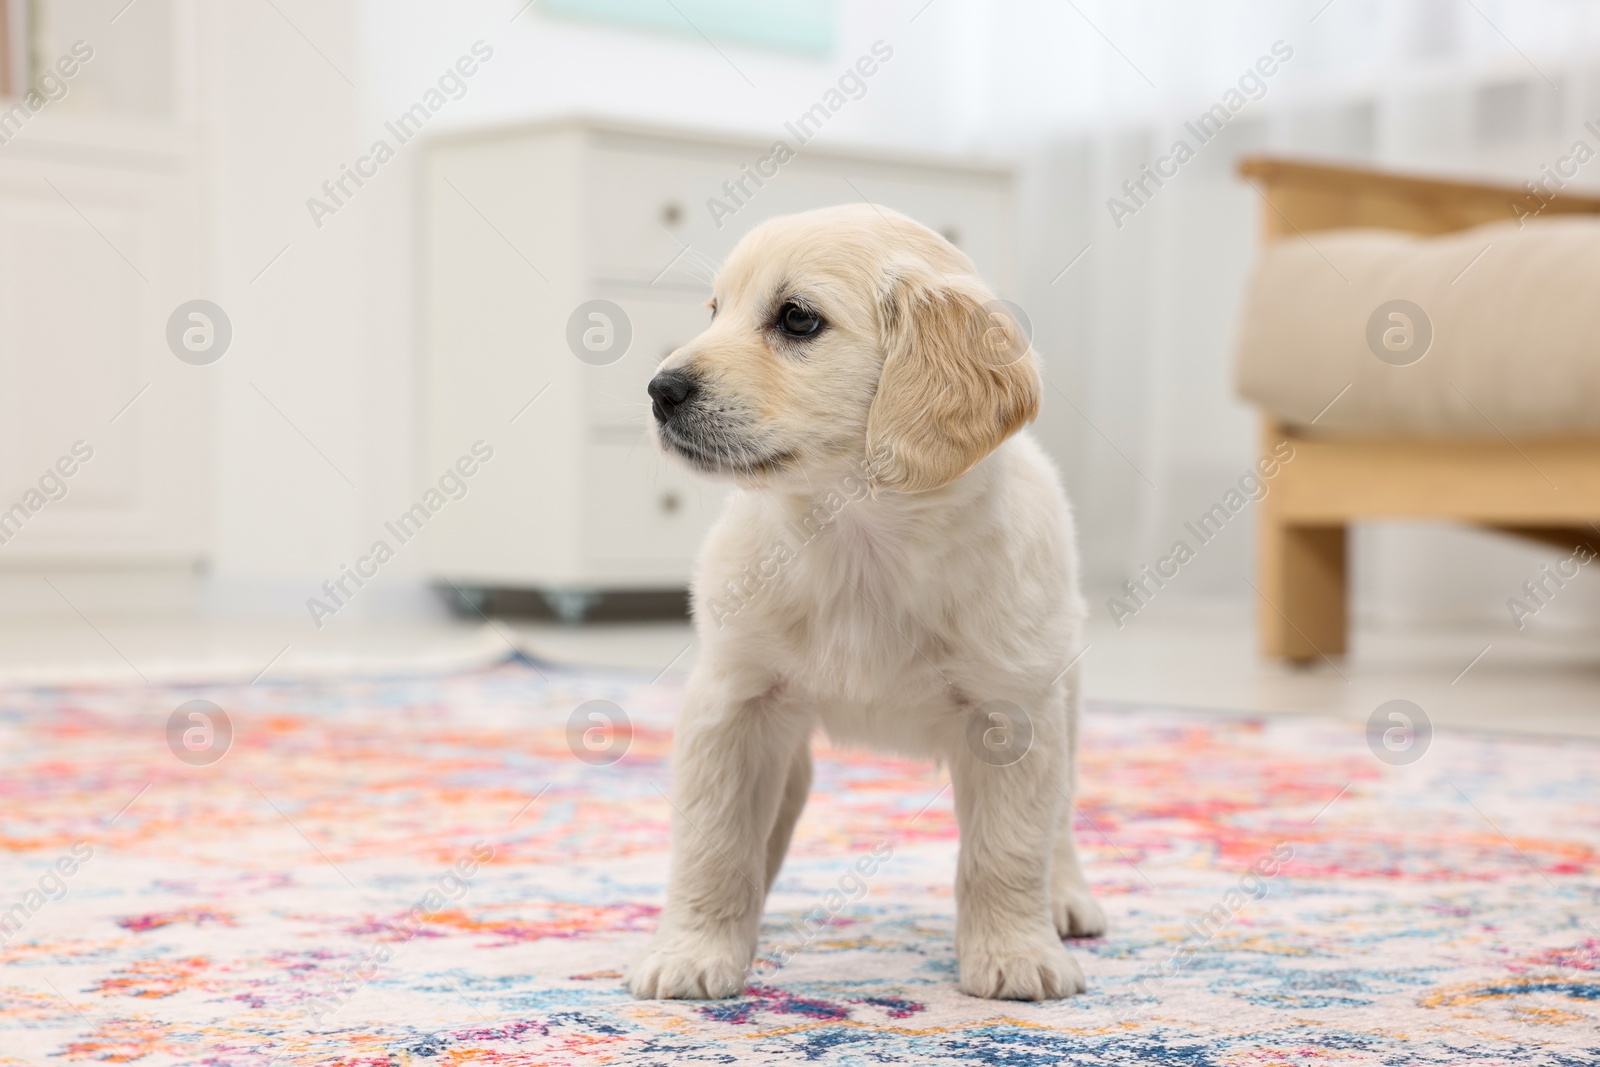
{"x": 523, "y": 225}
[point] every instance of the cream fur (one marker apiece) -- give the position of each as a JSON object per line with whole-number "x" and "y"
{"x": 945, "y": 579}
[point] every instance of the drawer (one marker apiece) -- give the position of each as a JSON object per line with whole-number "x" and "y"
{"x": 615, "y": 393}
{"x": 644, "y": 514}
{"x": 647, "y": 206}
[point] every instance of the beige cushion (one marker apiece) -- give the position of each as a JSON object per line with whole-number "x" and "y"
{"x": 1516, "y": 331}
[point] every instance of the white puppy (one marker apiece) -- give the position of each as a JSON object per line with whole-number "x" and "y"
{"x": 898, "y": 567}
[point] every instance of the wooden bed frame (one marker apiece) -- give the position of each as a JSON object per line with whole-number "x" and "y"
{"x": 1547, "y": 489}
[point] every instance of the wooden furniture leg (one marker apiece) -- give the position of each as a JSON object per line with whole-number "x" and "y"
{"x": 1302, "y": 586}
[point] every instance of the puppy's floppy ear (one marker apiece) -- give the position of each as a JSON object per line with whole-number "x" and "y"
{"x": 958, "y": 378}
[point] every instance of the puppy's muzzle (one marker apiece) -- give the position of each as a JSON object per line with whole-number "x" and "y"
{"x": 670, "y": 393}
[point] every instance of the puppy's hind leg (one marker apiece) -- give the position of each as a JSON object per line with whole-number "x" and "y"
{"x": 1076, "y": 912}
{"x": 796, "y": 789}
{"x": 731, "y": 755}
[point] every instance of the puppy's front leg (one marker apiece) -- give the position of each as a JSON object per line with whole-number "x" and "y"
{"x": 731, "y": 758}
{"x": 1007, "y": 806}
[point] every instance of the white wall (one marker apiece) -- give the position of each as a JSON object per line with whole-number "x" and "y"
{"x": 279, "y": 118}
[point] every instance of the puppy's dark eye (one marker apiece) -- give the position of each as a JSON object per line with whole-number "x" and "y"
{"x": 797, "y": 321}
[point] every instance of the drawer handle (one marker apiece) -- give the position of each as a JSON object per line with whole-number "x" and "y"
{"x": 670, "y": 503}
{"x": 671, "y": 213}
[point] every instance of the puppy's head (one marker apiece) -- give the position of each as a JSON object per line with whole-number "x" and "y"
{"x": 846, "y": 339}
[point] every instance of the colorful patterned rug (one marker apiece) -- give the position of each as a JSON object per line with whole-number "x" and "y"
{"x": 420, "y": 871}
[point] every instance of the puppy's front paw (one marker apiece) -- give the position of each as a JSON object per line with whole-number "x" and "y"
{"x": 1077, "y": 913}
{"x": 686, "y": 968}
{"x": 1025, "y": 970}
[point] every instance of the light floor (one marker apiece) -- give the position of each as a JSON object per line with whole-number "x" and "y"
{"x": 1197, "y": 657}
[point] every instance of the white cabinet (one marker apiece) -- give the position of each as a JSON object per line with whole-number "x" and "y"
{"x": 100, "y": 239}
{"x": 522, "y": 226}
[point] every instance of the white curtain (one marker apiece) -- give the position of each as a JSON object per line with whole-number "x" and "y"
{"x": 1139, "y": 333}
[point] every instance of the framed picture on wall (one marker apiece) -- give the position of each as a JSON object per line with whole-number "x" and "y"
{"x": 803, "y": 26}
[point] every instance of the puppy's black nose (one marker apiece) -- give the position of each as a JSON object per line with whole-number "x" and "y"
{"x": 670, "y": 390}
